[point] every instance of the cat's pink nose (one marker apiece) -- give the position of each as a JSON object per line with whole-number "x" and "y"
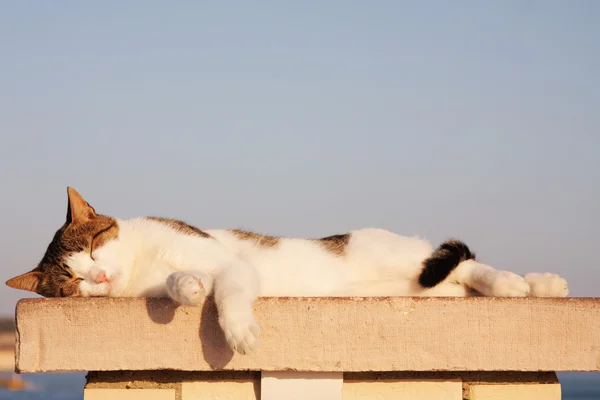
{"x": 101, "y": 277}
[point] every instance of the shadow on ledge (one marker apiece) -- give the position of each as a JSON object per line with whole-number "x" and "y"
{"x": 215, "y": 349}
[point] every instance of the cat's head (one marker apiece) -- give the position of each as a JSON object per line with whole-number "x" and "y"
{"x": 82, "y": 233}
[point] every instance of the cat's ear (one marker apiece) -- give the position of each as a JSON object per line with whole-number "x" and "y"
{"x": 78, "y": 210}
{"x": 28, "y": 281}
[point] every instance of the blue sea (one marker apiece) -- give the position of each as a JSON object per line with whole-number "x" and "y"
{"x": 575, "y": 386}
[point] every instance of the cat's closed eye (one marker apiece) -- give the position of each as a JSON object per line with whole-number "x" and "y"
{"x": 67, "y": 272}
{"x": 103, "y": 234}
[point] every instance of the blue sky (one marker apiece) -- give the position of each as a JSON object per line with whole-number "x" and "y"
{"x": 470, "y": 119}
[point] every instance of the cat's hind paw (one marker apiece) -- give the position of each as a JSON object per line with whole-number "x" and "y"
{"x": 186, "y": 288}
{"x": 546, "y": 285}
{"x": 508, "y": 284}
{"x": 241, "y": 332}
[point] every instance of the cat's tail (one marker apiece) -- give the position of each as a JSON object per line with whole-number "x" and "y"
{"x": 442, "y": 262}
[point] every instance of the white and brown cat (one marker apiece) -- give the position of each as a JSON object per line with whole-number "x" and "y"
{"x": 97, "y": 255}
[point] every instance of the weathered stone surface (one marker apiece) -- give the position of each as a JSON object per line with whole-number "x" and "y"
{"x": 313, "y": 334}
{"x": 295, "y": 385}
{"x": 515, "y": 392}
{"x": 415, "y": 389}
{"x": 129, "y": 394}
{"x": 219, "y": 390}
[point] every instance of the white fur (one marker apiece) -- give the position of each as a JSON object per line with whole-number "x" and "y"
{"x": 151, "y": 259}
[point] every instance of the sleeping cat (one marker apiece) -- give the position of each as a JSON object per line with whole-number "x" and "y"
{"x": 97, "y": 255}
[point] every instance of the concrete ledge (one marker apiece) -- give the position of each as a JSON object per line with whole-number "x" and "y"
{"x": 313, "y": 334}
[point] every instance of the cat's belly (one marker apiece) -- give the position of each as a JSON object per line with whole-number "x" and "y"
{"x": 298, "y": 278}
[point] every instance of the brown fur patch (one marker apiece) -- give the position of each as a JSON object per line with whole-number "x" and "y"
{"x": 104, "y": 234}
{"x": 335, "y": 244}
{"x": 180, "y": 226}
{"x": 261, "y": 240}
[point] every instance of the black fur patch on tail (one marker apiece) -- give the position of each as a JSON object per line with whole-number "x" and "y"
{"x": 443, "y": 260}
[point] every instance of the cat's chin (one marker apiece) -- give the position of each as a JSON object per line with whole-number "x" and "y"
{"x": 88, "y": 289}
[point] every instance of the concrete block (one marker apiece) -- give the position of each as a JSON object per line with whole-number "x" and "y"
{"x": 128, "y": 394}
{"x": 220, "y": 390}
{"x": 520, "y": 391}
{"x": 404, "y": 390}
{"x": 290, "y": 385}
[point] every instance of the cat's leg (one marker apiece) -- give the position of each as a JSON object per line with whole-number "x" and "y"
{"x": 401, "y": 287}
{"x": 189, "y": 287}
{"x": 489, "y": 281}
{"x": 236, "y": 288}
{"x": 546, "y": 285}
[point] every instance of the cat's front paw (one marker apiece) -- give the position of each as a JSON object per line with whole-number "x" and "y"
{"x": 241, "y": 331}
{"x": 186, "y": 288}
{"x": 508, "y": 284}
{"x": 547, "y": 285}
